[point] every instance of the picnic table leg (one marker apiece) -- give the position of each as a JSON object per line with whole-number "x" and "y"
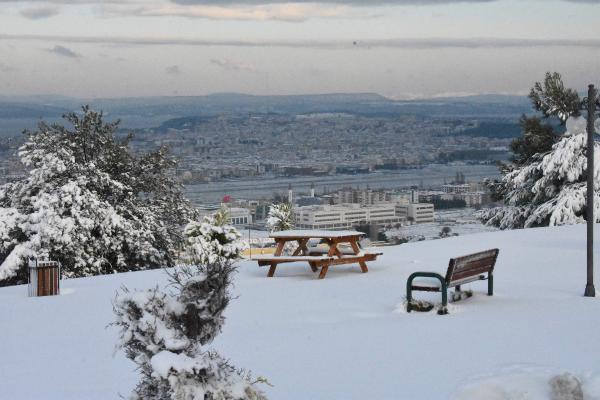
{"x": 280, "y": 245}
{"x": 313, "y": 266}
{"x": 332, "y": 251}
{"x": 278, "y": 251}
{"x": 324, "y": 269}
{"x": 272, "y": 270}
{"x": 363, "y": 265}
{"x": 301, "y": 249}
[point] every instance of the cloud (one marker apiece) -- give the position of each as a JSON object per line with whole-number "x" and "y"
{"x": 63, "y": 51}
{"x": 173, "y": 70}
{"x": 282, "y": 12}
{"x": 401, "y": 43}
{"x": 230, "y": 65}
{"x": 345, "y": 2}
{"x": 40, "y": 11}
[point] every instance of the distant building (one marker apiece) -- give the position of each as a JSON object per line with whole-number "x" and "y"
{"x": 345, "y": 216}
{"x": 417, "y": 212}
{"x": 361, "y": 196}
{"x": 238, "y": 216}
{"x": 456, "y": 188}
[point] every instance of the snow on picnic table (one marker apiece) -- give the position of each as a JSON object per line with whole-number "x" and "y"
{"x": 344, "y": 337}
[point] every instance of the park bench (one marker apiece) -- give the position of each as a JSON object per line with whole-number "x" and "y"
{"x": 461, "y": 270}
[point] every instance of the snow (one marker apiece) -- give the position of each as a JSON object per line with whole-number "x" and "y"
{"x": 306, "y": 233}
{"x": 344, "y": 337}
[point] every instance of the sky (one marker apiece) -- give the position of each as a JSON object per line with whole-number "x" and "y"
{"x": 398, "y": 48}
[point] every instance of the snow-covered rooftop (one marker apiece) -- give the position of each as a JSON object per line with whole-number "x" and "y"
{"x": 344, "y": 337}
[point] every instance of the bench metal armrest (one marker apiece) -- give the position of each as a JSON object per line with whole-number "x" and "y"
{"x": 409, "y": 287}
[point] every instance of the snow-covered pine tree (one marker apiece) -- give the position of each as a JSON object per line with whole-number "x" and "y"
{"x": 165, "y": 334}
{"x": 281, "y": 217}
{"x": 551, "y": 189}
{"x": 89, "y": 203}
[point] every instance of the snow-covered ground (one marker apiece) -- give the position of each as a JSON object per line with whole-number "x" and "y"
{"x": 461, "y": 222}
{"x": 344, "y": 337}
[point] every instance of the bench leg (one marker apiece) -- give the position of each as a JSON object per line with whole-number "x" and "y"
{"x": 490, "y": 284}
{"x": 363, "y": 267}
{"x": 272, "y": 270}
{"x": 324, "y": 269}
{"x": 444, "y": 309}
{"x": 409, "y": 295}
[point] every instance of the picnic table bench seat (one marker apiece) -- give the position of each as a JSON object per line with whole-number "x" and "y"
{"x": 268, "y": 259}
{"x": 461, "y": 270}
{"x": 344, "y": 251}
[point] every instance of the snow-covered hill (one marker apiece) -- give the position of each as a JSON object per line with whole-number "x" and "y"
{"x": 345, "y": 337}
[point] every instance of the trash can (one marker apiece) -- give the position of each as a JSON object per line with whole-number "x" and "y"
{"x": 44, "y": 278}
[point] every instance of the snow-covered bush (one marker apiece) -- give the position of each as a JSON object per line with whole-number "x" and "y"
{"x": 89, "y": 203}
{"x": 208, "y": 241}
{"x": 164, "y": 334}
{"x": 281, "y": 217}
{"x": 566, "y": 387}
{"x": 551, "y": 190}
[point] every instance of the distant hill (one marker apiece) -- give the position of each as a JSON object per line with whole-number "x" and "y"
{"x": 29, "y": 110}
{"x": 142, "y": 112}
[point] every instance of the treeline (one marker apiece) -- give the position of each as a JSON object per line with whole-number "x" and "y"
{"x": 473, "y": 155}
{"x": 501, "y": 130}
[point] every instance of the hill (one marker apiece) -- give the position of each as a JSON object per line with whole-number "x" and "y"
{"x": 146, "y": 112}
{"x": 345, "y": 337}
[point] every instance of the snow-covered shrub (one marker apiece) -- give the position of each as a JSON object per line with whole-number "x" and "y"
{"x": 566, "y": 387}
{"x": 551, "y": 190}
{"x": 89, "y": 203}
{"x": 164, "y": 334}
{"x": 281, "y": 217}
{"x": 209, "y": 240}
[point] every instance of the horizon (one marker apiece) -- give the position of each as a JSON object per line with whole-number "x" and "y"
{"x": 439, "y": 96}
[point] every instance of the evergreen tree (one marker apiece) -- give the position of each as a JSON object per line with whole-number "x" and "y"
{"x": 281, "y": 217}
{"x": 165, "y": 334}
{"x": 537, "y": 138}
{"x": 89, "y": 203}
{"x": 551, "y": 189}
{"x": 553, "y": 101}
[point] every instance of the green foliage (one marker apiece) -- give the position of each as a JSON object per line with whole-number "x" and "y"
{"x": 537, "y": 138}
{"x": 553, "y": 99}
{"x": 222, "y": 217}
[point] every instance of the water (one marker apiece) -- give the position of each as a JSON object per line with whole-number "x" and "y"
{"x": 264, "y": 188}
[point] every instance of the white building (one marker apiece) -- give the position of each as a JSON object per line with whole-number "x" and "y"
{"x": 344, "y": 216}
{"x": 418, "y": 212}
{"x": 238, "y": 216}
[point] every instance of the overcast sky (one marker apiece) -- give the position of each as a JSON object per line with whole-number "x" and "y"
{"x": 398, "y": 48}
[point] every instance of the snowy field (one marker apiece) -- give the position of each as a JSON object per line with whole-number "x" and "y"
{"x": 460, "y": 221}
{"x": 345, "y": 337}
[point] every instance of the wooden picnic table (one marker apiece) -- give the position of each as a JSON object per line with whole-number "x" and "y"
{"x": 315, "y": 256}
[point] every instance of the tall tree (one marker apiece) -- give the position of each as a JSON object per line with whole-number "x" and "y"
{"x": 551, "y": 189}
{"x": 90, "y": 203}
{"x": 555, "y": 103}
